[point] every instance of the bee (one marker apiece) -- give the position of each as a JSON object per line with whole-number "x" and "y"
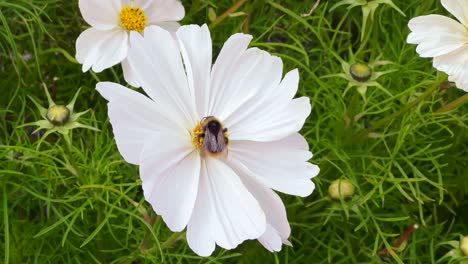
{"x": 214, "y": 136}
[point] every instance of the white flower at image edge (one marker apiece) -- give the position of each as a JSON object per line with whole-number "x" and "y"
{"x": 106, "y": 43}
{"x": 445, "y": 40}
{"x": 221, "y": 200}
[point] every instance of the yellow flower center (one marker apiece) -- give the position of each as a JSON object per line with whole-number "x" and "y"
{"x": 360, "y": 72}
{"x": 58, "y": 114}
{"x": 197, "y": 136}
{"x": 133, "y": 18}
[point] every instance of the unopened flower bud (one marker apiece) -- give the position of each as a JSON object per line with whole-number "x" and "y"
{"x": 360, "y": 72}
{"x": 464, "y": 245}
{"x": 58, "y": 114}
{"x": 341, "y": 189}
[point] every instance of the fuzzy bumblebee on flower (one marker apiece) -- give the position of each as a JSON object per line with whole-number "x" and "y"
{"x": 212, "y": 141}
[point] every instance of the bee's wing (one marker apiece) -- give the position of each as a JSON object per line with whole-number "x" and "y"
{"x": 213, "y": 143}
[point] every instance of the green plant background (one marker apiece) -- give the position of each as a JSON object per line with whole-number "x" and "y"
{"x": 84, "y": 204}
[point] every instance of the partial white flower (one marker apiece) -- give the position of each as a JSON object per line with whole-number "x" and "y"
{"x": 445, "y": 40}
{"x": 106, "y": 43}
{"x": 219, "y": 187}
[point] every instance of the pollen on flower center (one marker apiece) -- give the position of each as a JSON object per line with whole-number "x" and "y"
{"x": 133, "y": 18}
{"x": 197, "y": 136}
{"x": 360, "y": 72}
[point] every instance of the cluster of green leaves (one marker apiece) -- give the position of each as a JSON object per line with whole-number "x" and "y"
{"x": 83, "y": 204}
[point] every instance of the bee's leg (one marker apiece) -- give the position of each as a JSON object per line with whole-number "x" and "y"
{"x": 226, "y": 140}
{"x": 225, "y": 130}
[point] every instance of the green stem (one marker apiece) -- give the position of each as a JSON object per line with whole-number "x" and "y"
{"x": 171, "y": 240}
{"x": 405, "y": 109}
{"x": 231, "y": 10}
{"x": 454, "y": 104}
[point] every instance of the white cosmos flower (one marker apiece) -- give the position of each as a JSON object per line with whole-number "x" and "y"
{"x": 223, "y": 199}
{"x": 445, "y": 40}
{"x": 106, "y": 43}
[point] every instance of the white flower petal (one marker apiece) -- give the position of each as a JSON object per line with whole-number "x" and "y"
{"x": 459, "y": 76}
{"x": 281, "y": 165}
{"x": 455, "y": 64}
{"x": 158, "y": 68}
{"x": 200, "y": 226}
{"x": 254, "y": 76}
{"x": 195, "y": 46}
{"x": 271, "y": 239}
{"x": 225, "y": 64}
{"x": 268, "y": 113}
{"x": 278, "y": 229}
{"x": 161, "y": 10}
{"x": 134, "y": 118}
{"x": 449, "y": 63}
{"x": 169, "y": 26}
{"x": 436, "y": 35}
{"x": 101, "y": 14}
{"x": 129, "y": 75}
{"x": 269, "y": 122}
{"x": 459, "y": 8}
{"x": 234, "y": 214}
{"x": 101, "y": 49}
{"x": 169, "y": 170}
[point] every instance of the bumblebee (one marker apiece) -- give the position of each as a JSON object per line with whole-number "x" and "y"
{"x": 214, "y": 136}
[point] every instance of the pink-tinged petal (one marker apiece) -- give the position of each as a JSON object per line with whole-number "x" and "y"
{"x": 234, "y": 215}
{"x": 225, "y": 64}
{"x": 271, "y": 240}
{"x": 158, "y": 68}
{"x": 161, "y": 10}
{"x": 134, "y": 118}
{"x": 281, "y": 165}
{"x": 195, "y": 46}
{"x": 101, "y": 49}
{"x": 169, "y": 171}
{"x": 436, "y": 35}
{"x": 458, "y": 8}
{"x": 101, "y": 14}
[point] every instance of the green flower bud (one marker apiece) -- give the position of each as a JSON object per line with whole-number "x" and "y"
{"x": 341, "y": 189}
{"x": 360, "y": 72}
{"x": 464, "y": 245}
{"x": 58, "y": 114}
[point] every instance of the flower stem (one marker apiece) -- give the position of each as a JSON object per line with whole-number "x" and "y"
{"x": 172, "y": 239}
{"x": 231, "y": 10}
{"x": 405, "y": 109}
{"x": 454, "y": 104}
